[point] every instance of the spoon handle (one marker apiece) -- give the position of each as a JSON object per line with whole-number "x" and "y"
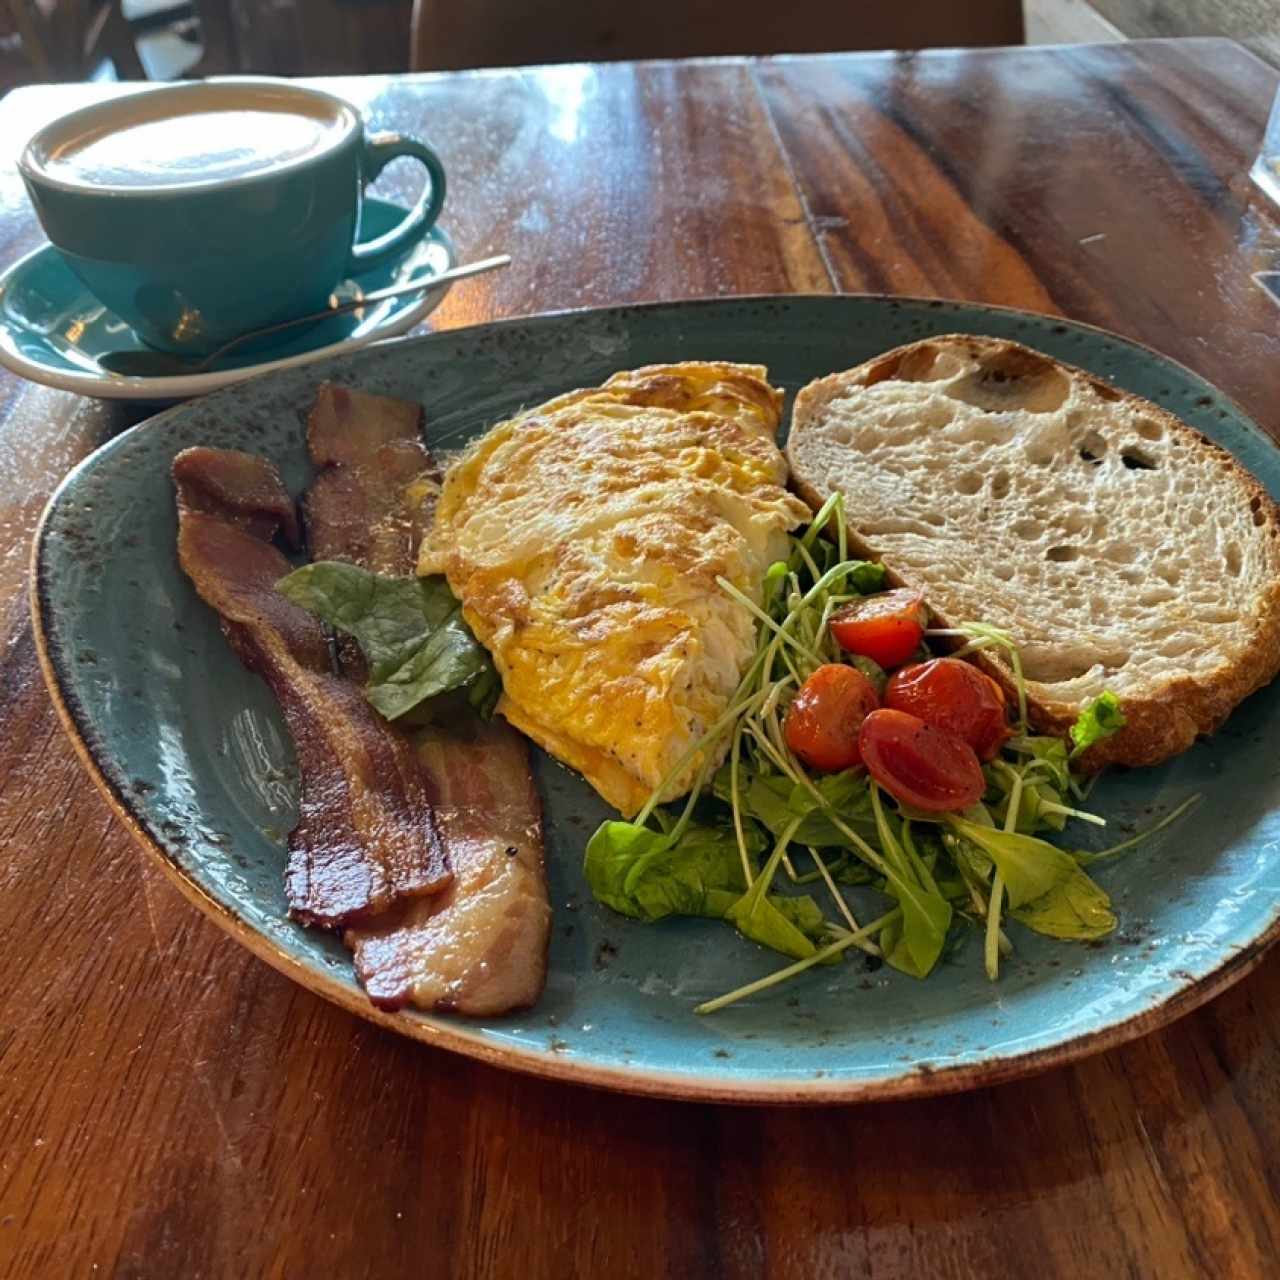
{"x": 378, "y": 295}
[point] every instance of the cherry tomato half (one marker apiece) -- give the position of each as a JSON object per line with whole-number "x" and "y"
{"x": 886, "y": 628}
{"x": 918, "y": 763}
{"x": 823, "y": 720}
{"x": 954, "y": 695}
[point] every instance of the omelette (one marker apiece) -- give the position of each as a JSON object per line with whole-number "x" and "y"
{"x": 584, "y": 539}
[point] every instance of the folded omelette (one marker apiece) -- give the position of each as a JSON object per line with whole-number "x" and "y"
{"x": 584, "y": 539}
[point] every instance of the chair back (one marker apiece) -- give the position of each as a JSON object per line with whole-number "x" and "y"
{"x": 454, "y": 34}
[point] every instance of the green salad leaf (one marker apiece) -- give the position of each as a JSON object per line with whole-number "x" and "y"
{"x": 646, "y": 874}
{"x": 1097, "y": 720}
{"x": 804, "y": 913}
{"x": 649, "y": 875}
{"x": 612, "y": 853}
{"x": 1048, "y": 890}
{"x": 866, "y": 577}
{"x": 1074, "y": 908}
{"x": 757, "y": 916}
{"x": 410, "y": 630}
{"x": 914, "y": 942}
{"x": 776, "y": 801}
{"x": 1040, "y": 803}
{"x": 1030, "y": 866}
{"x": 917, "y": 937}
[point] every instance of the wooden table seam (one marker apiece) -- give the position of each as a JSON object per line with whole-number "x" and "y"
{"x": 753, "y": 65}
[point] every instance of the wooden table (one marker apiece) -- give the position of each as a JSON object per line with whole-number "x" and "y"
{"x": 171, "y": 1107}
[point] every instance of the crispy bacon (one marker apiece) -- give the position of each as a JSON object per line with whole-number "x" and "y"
{"x": 361, "y": 513}
{"x": 240, "y": 487}
{"x": 366, "y": 835}
{"x": 479, "y": 948}
{"x": 348, "y": 427}
{"x": 373, "y": 500}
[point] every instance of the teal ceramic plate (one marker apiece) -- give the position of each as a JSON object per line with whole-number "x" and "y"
{"x": 190, "y": 749}
{"x": 52, "y": 329}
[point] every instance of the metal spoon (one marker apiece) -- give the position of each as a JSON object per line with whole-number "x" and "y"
{"x": 162, "y": 364}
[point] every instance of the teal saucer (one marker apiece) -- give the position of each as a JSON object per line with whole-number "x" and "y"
{"x": 52, "y": 330}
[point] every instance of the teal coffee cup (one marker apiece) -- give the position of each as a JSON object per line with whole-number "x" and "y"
{"x": 199, "y": 212}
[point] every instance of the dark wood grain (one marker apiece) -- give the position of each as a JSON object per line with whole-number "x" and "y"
{"x": 1108, "y": 183}
{"x": 171, "y": 1107}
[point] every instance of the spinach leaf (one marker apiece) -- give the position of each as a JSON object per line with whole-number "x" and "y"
{"x": 804, "y": 913}
{"x": 758, "y": 916}
{"x": 410, "y": 630}
{"x": 1075, "y": 908}
{"x": 1031, "y": 867}
{"x": 649, "y": 875}
{"x": 683, "y": 878}
{"x": 916, "y": 940}
{"x": 611, "y": 853}
{"x": 776, "y": 802}
{"x": 1097, "y": 720}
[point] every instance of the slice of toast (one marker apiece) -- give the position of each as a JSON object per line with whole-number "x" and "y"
{"x": 1120, "y": 548}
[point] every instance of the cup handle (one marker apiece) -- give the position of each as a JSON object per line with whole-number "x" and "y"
{"x": 379, "y": 150}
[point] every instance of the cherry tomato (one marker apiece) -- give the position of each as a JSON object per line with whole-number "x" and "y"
{"x": 919, "y": 764}
{"x": 823, "y": 721}
{"x": 886, "y": 628}
{"x": 954, "y": 695}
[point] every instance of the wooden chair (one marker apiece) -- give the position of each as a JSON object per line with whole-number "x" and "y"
{"x": 65, "y": 39}
{"x": 453, "y": 34}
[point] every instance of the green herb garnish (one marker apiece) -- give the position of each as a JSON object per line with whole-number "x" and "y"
{"x": 410, "y": 630}
{"x": 1098, "y": 720}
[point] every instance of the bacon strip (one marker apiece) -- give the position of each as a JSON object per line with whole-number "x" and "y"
{"x": 240, "y": 487}
{"x": 366, "y": 835}
{"x": 348, "y": 428}
{"x": 373, "y": 500}
{"x": 479, "y": 948}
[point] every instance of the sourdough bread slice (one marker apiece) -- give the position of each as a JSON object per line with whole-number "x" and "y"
{"x": 1120, "y": 548}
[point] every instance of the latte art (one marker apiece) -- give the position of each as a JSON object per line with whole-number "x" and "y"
{"x": 193, "y": 148}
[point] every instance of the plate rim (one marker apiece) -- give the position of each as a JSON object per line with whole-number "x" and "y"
{"x": 918, "y": 1080}
{"x": 186, "y": 386}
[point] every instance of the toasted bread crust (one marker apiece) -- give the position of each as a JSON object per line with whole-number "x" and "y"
{"x": 1169, "y": 717}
